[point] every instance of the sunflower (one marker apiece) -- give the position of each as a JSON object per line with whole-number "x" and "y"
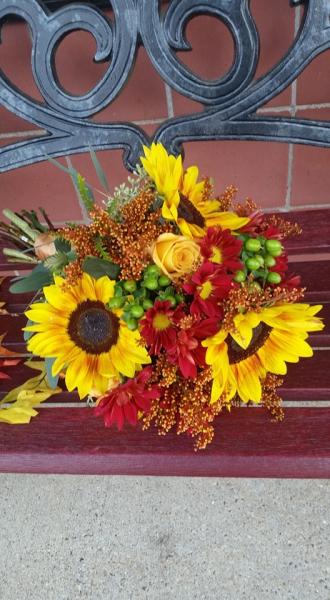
{"x": 262, "y": 342}
{"x": 76, "y": 328}
{"x": 184, "y": 198}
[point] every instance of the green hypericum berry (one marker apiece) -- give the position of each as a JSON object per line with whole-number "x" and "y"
{"x": 137, "y": 311}
{"x": 252, "y": 245}
{"x": 260, "y": 260}
{"x": 252, "y": 264}
{"x": 151, "y": 283}
{"x": 118, "y": 290}
{"x": 269, "y": 261}
{"x": 164, "y": 281}
{"x": 171, "y": 299}
{"x": 152, "y": 271}
{"x": 130, "y": 285}
{"x": 132, "y": 323}
{"x": 147, "y": 304}
{"x": 239, "y": 276}
{"x": 274, "y": 247}
{"x": 274, "y": 277}
{"x": 179, "y": 298}
{"x": 116, "y": 302}
{"x": 255, "y": 286}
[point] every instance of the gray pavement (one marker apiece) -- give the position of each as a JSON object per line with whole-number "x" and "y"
{"x": 121, "y": 538}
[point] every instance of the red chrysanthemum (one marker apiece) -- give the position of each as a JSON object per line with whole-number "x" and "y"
{"x": 291, "y": 281}
{"x": 125, "y": 401}
{"x": 281, "y": 265}
{"x": 158, "y": 327}
{"x": 208, "y": 285}
{"x": 188, "y": 353}
{"x": 219, "y": 246}
{"x": 272, "y": 233}
{"x": 255, "y": 223}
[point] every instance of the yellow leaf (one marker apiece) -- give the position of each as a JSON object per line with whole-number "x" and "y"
{"x": 17, "y": 415}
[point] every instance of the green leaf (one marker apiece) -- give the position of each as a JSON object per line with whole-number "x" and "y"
{"x": 62, "y": 245}
{"x": 85, "y": 192}
{"x": 36, "y": 280}
{"x": 28, "y": 334}
{"x": 99, "y": 171}
{"x": 97, "y": 267}
{"x": 52, "y": 381}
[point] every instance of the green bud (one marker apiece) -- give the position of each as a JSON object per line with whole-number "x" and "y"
{"x": 172, "y": 300}
{"x": 118, "y": 290}
{"x": 274, "y": 278}
{"x": 274, "y": 247}
{"x": 151, "y": 283}
{"x": 152, "y": 271}
{"x": 164, "y": 281}
{"x": 147, "y": 304}
{"x": 116, "y": 302}
{"x": 252, "y": 245}
{"x": 137, "y": 311}
{"x": 179, "y": 298}
{"x": 269, "y": 261}
{"x": 252, "y": 264}
{"x": 130, "y": 285}
{"x": 255, "y": 286}
{"x": 132, "y": 323}
{"x": 239, "y": 276}
{"x": 260, "y": 260}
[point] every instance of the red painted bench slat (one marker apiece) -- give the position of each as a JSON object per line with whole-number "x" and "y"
{"x": 246, "y": 444}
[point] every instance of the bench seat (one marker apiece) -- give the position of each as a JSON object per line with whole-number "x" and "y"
{"x": 66, "y": 437}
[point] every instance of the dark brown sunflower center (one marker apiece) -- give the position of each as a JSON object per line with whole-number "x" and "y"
{"x": 189, "y": 212}
{"x": 93, "y": 327}
{"x": 236, "y": 353}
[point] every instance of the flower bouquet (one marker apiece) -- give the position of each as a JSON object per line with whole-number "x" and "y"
{"x": 168, "y": 307}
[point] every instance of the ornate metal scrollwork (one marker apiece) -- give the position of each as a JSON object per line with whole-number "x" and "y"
{"x": 230, "y": 103}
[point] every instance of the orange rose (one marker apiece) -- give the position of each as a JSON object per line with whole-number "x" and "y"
{"x": 175, "y": 255}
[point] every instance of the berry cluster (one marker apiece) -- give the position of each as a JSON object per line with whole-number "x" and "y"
{"x": 136, "y": 297}
{"x": 259, "y": 261}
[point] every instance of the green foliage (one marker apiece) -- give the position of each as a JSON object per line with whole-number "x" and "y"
{"x": 98, "y": 267}
{"x": 36, "y": 280}
{"x": 122, "y": 195}
{"x": 100, "y": 247}
{"x": 85, "y": 192}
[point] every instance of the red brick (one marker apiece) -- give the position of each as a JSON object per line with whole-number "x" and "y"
{"x": 258, "y": 169}
{"x": 311, "y": 175}
{"x": 314, "y": 83}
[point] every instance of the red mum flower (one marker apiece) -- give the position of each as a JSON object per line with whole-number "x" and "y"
{"x": 281, "y": 265}
{"x": 272, "y": 233}
{"x": 188, "y": 352}
{"x": 255, "y": 223}
{"x": 158, "y": 327}
{"x": 125, "y": 401}
{"x": 208, "y": 285}
{"x": 222, "y": 248}
{"x": 290, "y": 282}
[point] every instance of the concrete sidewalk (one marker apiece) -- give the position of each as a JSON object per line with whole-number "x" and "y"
{"x": 120, "y": 538}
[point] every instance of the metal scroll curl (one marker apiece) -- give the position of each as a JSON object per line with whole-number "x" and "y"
{"x": 230, "y": 102}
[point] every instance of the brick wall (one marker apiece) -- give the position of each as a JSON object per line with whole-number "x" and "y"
{"x": 276, "y": 175}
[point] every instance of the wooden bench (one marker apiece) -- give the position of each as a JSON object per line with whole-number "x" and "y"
{"x": 66, "y": 437}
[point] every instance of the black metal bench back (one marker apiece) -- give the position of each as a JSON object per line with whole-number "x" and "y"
{"x": 230, "y": 102}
